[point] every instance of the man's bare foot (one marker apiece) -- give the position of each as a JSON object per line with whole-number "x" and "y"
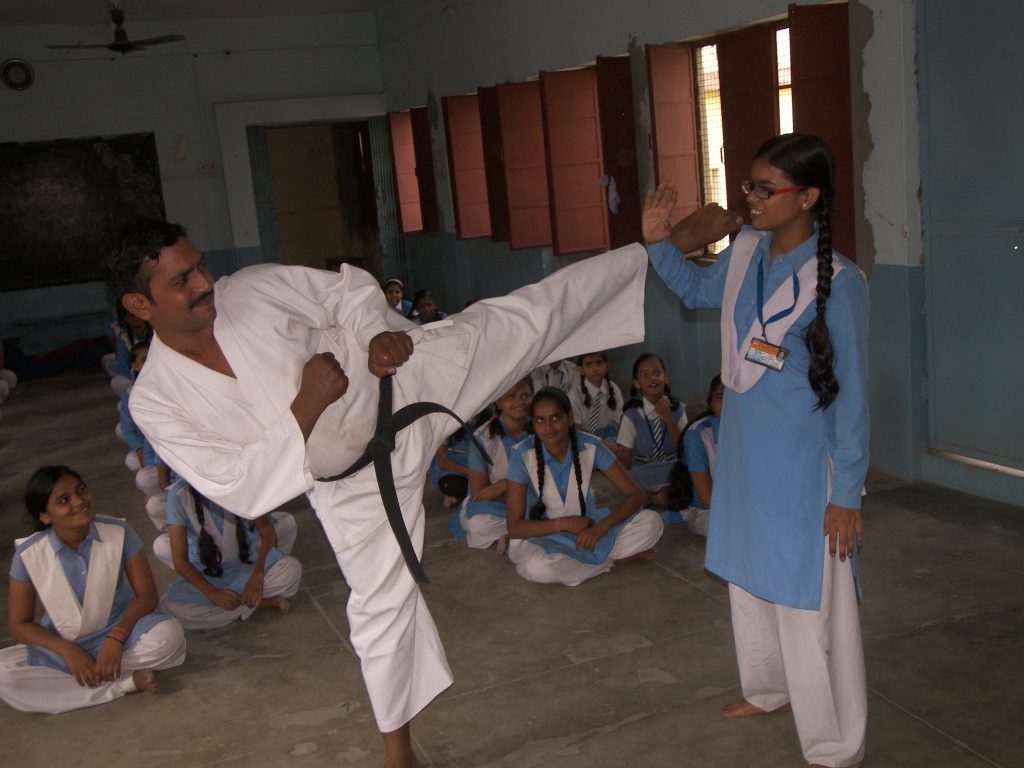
{"x": 144, "y": 680}
{"x": 743, "y": 708}
{"x": 398, "y": 749}
{"x": 501, "y": 545}
{"x": 645, "y": 556}
{"x": 279, "y": 602}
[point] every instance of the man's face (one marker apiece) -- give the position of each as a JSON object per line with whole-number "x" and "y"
{"x": 182, "y": 292}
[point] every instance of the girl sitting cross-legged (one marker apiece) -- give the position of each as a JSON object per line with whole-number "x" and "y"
{"x": 480, "y": 519}
{"x": 99, "y": 637}
{"x": 558, "y": 535}
{"x": 228, "y": 569}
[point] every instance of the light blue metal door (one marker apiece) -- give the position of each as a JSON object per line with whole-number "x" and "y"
{"x": 972, "y": 123}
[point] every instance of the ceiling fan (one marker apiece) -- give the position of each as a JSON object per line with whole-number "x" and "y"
{"x": 121, "y": 42}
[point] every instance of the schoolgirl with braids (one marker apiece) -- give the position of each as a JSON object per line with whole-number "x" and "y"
{"x": 480, "y": 519}
{"x": 558, "y": 535}
{"x": 597, "y": 401}
{"x": 793, "y": 443}
{"x": 652, "y": 421}
{"x": 229, "y": 567}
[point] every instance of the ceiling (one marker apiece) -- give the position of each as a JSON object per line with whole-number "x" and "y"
{"x": 98, "y": 11}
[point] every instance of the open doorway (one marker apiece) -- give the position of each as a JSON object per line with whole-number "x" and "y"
{"x": 324, "y": 203}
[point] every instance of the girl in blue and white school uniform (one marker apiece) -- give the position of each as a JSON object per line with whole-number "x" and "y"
{"x": 99, "y": 637}
{"x": 597, "y": 401}
{"x": 557, "y": 533}
{"x": 394, "y": 292}
{"x": 793, "y": 444}
{"x": 228, "y": 569}
{"x": 425, "y": 309}
{"x": 700, "y": 440}
{"x": 652, "y": 422}
{"x": 449, "y": 470}
{"x": 480, "y": 519}
{"x": 124, "y": 333}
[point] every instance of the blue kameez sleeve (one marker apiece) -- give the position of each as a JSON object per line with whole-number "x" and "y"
{"x": 698, "y": 287}
{"x": 848, "y": 419}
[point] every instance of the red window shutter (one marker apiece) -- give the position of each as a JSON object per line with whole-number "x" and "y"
{"x": 408, "y": 191}
{"x": 674, "y": 124}
{"x": 526, "y": 175}
{"x": 425, "y": 169}
{"x": 750, "y": 105}
{"x": 494, "y": 163}
{"x": 820, "y": 52}
{"x": 572, "y": 133}
{"x": 618, "y": 145}
{"x": 466, "y": 166}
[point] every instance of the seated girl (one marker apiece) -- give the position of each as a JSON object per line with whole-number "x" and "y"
{"x": 449, "y": 469}
{"x": 424, "y": 308}
{"x": 124, "y": 333}
{"x": 394, "y": 292}
{"x": 597, "y": 401}
{"x": 99, "y": 637}
{"x": 652, "y": 422}
{"x": 693, "y": 474}
{"x": 227, "y": 569}
{"x": 480, "y": 520}
{"x": 565, "y": 538}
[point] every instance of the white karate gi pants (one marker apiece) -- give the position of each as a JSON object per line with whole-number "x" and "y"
{"x": 51, "y": 691}
{"x": 534, "y": 564}
{"x": 813, "y": 660}
{"x": 482, "y": 530}
{"x": 463, "y": 362}
{"x": 282, "y": 578}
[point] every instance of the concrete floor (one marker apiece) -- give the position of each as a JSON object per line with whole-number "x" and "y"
{"x": 627, "y": 670}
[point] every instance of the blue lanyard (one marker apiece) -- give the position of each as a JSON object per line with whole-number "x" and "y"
{"x": 760, "y": 300}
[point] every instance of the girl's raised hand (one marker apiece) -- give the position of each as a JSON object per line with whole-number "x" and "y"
{"x": 663, "y": 409}
{"x": 658, "y": 207}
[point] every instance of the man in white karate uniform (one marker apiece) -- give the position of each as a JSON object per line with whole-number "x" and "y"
{"x": 256, "y": 389}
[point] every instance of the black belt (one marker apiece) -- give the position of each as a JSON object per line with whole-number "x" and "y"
{"x": 379, "y": 451}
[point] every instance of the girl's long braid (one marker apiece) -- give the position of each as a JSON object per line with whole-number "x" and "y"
{"x": 242, "y": 528}
{"x": 635, "y": 399}
{"x": 538, "y": 510}
{"x": 611, "y": 393}
{"x": 579, "y": 470}
{"x": 495, "y": 429}
{"x": 209, "y": 553}
{"x": 819, "y": 342}
{"x": 585, "y": 391}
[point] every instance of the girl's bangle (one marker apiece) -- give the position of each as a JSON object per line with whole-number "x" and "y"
{"x": 118, "y": 630}
{"x": 115, "y": 638}
{"x": 558, "y": 525}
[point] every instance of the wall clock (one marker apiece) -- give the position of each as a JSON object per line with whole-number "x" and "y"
{"x": 17, "y": 74}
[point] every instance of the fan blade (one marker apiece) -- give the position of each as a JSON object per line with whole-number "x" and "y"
{"x": 159, "y": 40}
{"x": 72, "y": 47}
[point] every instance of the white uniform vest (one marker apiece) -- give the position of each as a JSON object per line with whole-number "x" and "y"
{"x": 738, "y": 373}
{"x": 70, "y": 618}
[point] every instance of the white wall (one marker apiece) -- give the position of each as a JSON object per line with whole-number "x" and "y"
{"x": 172, "y": 90}
{"x": 451, "y": 47}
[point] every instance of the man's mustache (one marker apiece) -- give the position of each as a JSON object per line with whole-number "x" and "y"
{"x": 203, "y": 297}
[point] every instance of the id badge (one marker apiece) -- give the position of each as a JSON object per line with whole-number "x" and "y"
{"x": 767, "y": 354}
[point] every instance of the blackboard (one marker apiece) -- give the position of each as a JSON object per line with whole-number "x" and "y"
{"x": 60, "y": 202}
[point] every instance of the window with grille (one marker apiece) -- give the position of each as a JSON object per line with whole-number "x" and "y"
{"x": 709, "y": 105}
{"x": 784, "y": 78}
